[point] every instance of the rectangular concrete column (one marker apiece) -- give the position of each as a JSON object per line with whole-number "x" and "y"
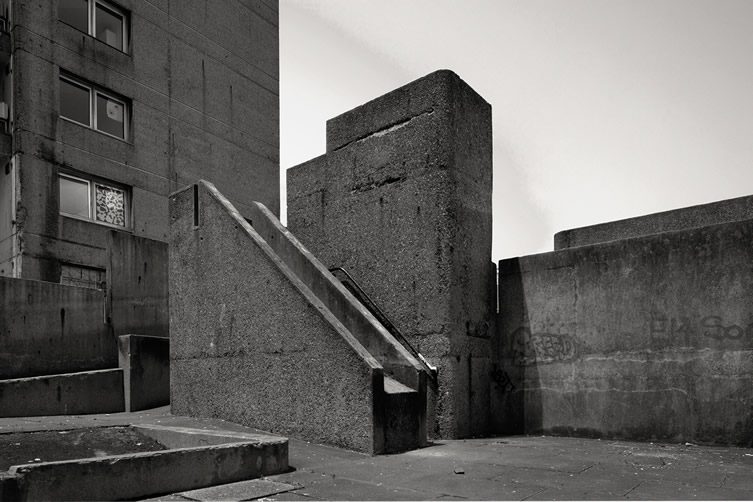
{"x": 402, "y": 200}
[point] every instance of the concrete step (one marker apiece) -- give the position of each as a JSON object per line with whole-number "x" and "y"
{"x": 99, "y": 391}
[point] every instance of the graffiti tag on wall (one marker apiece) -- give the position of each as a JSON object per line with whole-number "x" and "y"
{"x": 503, "y": 380}
{"x": 665, "y": 330}
{"x": 540, "y": 348}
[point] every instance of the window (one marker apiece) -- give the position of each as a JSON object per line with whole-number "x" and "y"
{"x": 92, "y": 107}
{"x": 92, "y": 200}
{"x": 100, "y": 19}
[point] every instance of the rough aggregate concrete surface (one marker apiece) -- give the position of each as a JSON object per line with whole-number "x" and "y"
{"x": 248, "y": 346}
{"x": 402, "y": 200}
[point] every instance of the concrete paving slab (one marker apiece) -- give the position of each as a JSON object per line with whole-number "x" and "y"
{"x": 531, "y": 468}
{"x": 509, "y": 468}
{"x": 349, "y": 489}
{"x": 668, "y": 490}
{"x": 242, "y": 490}
{"x": 291, "y": 496}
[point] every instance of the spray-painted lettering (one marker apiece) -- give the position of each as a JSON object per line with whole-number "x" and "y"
{"x": 539, "y": 348}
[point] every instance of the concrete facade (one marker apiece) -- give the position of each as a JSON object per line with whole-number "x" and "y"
{"x": 402, "y": 201}
{"x": 647, "y": 338}
{"x": 199, "y": 86}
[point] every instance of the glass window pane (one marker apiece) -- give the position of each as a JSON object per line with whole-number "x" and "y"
{"x": 110, "y": 116}
{"x": 74, "y": 197}
{"x": 75, "y": 13}
{"x": 74, "y": 102}
{"x": 109, "y": 27}
{"x": 110, "y": 205}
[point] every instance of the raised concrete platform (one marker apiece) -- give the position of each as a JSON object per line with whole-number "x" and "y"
{"x": 186, "y": 454}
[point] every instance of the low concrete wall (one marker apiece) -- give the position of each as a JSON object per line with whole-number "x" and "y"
{"x": 145, "y": 361}
{"x": 98, "y": 391}
{"x": 48, "y": 328}
{"x": 648, "y": 338}
{"x": 250, "y": 343}
{"x": 715, "y": 213}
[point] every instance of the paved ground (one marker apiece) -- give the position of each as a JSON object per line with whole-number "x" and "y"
{"x": 510, "y": 468}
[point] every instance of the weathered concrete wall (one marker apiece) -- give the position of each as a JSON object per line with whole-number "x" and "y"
{"x": 98, "y": 391}
{"x": 251, "y": 344}
{"x": 48, "y": 328}
{"x": 145, "y": 361}
{"x": 715, "y": 213}
{"x": 202, "y": 80}
{"x": 137, "y": 285}
{"x": 6, "y": 220}
{"x": 648, "y": 338}
{"x": 402, "y": 200}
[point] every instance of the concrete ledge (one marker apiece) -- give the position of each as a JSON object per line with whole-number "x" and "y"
{"x": 723, "y": 211}
{"x": 139, "y": 475}
{"x": 98, "y": 391}
{"x": 145, "y": 361}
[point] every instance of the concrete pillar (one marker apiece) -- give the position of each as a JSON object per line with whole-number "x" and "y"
{"x": 402, "y": 200}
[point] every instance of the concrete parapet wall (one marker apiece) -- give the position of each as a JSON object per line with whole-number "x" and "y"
{"x": 250, "y": 343}
{"x": 48, "y": 328}
{"x": 648, "y": 338}
{"x": 145, "y": 361}
{"x": 715, "y": 213}
{"x": 402, "y": 201}
{"x": 98, "y": 391}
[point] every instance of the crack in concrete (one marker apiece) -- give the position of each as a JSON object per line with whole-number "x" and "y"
{"x": 386, "y": 129}
{"x": 633, "y": 488}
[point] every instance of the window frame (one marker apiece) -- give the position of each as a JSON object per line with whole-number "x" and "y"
{"x": 93, "y": 92}
{"x": 91, "y": 21}
{"x": 92, "y": 183}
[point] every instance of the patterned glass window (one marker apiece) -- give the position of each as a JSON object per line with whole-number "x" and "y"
{"x": 110, "y": 205}
{"x": 94, "y": 201}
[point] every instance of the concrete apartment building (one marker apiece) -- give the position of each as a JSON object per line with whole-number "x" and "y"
{"x": 109, "y": 106}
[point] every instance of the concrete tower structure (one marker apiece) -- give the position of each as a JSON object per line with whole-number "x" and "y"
{"x": 402, "y": 201}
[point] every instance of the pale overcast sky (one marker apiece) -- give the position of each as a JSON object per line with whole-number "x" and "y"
{"x": 602, "y": 109}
